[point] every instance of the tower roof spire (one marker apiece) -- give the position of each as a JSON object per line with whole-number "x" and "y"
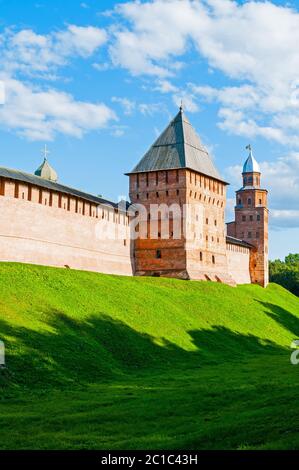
{"x": 177, "y": 147}
{"x": 251, "y": 165}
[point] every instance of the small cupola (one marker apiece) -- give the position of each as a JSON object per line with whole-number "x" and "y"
{"x": 251, "y": 165}
{"x": 45, "y": 170}
{"x": 251, "y": 171}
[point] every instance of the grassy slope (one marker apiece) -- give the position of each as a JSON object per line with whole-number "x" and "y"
{"x": 98, "y": 361}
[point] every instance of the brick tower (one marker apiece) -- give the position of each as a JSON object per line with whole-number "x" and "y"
{"x": 251, "y": 219}
{"x": 177, "y": 170}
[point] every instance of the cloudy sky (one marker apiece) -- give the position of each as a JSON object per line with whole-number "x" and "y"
{"x": 99, "y": 80}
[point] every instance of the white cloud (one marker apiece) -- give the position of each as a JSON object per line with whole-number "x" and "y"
{"x": 40, "y": 115}
{"x": 284, "y": 218}
{"x": 187, "y": 100}
{"x": 157, "y": 33}
{"x": 236, "y": 122}
{"x": 127, "y": 105}
{"x": 148, "y": 109}
{"x": 31, "y": 53}
{"x": 101, "y": 67}
{"x": 118, "y": 132}
{"x": 80, "y": 40}
{"x": 165, "y": 86}
{"x": 254, "y": 43}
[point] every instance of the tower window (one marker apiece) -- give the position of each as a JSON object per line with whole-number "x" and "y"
{"x": 239, "y": 202}
{"x": 260, "y": 202}
{"x": 213, "y": 259}
{"x": 251, "y": 218}
{"x": 215, "y": 223}
{"x": 158, "y": 254}
{"x": 177, "y": 192}
{"x": 207, "y": 221}
{"x": 249, "y": 235}
{"x": 258, "y": 217}
{"x": 200, "y": 256}
{"x": 249, "y": 201}
{"x": 243, "y": 218}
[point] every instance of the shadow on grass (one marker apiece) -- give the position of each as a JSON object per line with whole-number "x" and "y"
{"x": 100, "y": 349}
{"x": 286, "y": 319}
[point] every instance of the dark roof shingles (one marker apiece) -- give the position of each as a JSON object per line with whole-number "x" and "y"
{"x": 178, "y": 147}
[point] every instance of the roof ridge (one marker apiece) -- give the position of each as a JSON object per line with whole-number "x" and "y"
{"x": 57, "y": 185}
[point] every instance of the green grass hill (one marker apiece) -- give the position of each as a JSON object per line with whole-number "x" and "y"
{"x": 109, "y": 362}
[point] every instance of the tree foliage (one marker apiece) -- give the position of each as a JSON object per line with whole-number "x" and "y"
{"x": 286, "y": 273}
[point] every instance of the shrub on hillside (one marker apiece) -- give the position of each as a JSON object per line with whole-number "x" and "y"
{"x": 286, "y": 273}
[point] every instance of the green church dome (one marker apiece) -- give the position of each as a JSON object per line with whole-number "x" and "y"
{"x": 46, "y": 171}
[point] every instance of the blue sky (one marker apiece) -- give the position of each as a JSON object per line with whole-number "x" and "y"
{"x": 98, "y": 80}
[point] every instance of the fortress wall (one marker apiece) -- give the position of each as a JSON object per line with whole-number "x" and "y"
{"x": 36, "y": 233}
{"x": 238, "y": 260}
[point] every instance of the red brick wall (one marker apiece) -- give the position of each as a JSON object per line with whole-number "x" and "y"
{"x": 32, "y": 231}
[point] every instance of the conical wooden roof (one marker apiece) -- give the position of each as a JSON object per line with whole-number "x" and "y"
{"x": 178, "y": 146}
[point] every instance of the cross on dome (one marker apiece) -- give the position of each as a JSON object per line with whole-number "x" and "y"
{"x": 45, "y": 152}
